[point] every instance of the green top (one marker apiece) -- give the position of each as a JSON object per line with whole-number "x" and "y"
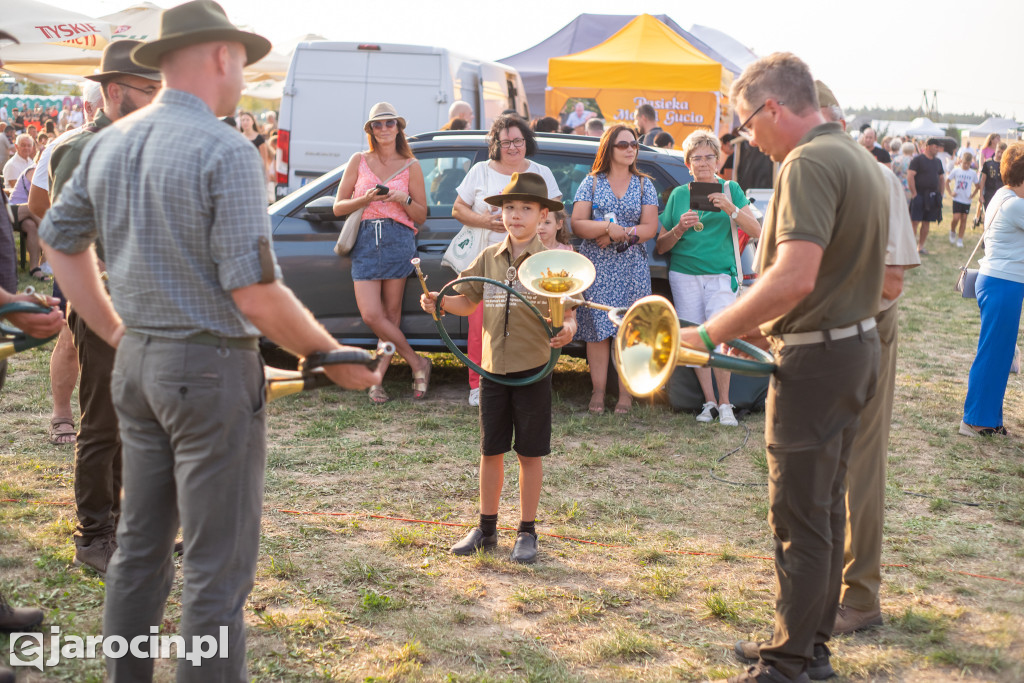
{"x": 710, "y": 251}
{"x": 828, "y": 192}
{"x": 64, "y": 159}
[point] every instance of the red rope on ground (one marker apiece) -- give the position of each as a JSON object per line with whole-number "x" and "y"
{"x": 434, "y": 522}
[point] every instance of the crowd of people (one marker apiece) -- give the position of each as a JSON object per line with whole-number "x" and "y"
{"x": 172, "y": 433}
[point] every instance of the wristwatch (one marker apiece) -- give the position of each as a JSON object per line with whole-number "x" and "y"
{"x": 735, "y": 213}
{"x": 408, "y": 200}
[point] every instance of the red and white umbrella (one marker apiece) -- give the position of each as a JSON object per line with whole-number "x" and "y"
{"x": 32, "y": 22}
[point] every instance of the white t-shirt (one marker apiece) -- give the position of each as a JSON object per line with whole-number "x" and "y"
{"x": 42, "y": 179}
{"x": 14, "y": 167}
{"x": 483, "y": 181}
{"x": 963, "y": 184}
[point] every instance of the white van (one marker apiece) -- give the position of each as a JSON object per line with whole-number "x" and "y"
{"x": 331, "y": 86}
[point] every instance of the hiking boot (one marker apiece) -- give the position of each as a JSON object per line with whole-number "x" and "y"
{"x": 819, "y": 668}
{"x": 708, "y": 412}
{"x": 849, "y": 620}
{"x": 18, "y": 618}
{"x": 525, "y": 549}
{"x": 474, "y": 541}
{"x": 763, "y": 673}
{"x": 726, "y": 416}
{"x": 97, "y": 554}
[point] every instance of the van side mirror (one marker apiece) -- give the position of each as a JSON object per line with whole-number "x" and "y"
{"x": 321, "y": 209}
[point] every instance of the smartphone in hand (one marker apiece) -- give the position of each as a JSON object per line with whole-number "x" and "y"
{"x": 382, "y": 189}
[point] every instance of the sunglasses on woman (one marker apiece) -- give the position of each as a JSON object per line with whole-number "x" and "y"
{"x": 627, "y": 144}
{"x": 390, "y": 123}
{"x": 630, "y": 241}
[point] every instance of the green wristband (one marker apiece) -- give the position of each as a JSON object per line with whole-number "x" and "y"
{"x": 706, "y": 337}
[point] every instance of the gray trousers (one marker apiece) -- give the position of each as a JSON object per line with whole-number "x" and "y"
{"x": 193, "y": 432}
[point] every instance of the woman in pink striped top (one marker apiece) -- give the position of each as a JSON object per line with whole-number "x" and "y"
{"x": 387, "y": 233}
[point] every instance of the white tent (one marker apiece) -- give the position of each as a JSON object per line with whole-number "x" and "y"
{"x": 726, "y": 45}
{"x": 922, "y": 127}
{"x": 994, "y": 124}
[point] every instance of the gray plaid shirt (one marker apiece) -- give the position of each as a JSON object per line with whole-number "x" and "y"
{"x": 178, "y": 199}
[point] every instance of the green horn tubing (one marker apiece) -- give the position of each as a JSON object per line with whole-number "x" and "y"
{"x": 764, "y": 365}
{"x": 21, "y": 341}
{"x": 522, "y": 381}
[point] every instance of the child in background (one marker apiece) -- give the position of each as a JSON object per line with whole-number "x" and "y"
{"x": 515, "y": 345}
{"x": 962, "y": 184}
{"x": 553, "y": 233}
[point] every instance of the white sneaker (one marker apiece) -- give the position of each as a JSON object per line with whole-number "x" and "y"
{"x": 474, "y": 397}
{"x": 706, "y": 414}
{"x": 959, "y": 243}
{"x": 726, "y": 416}
{"x": 46, "y": 268}
{"x": 952, "y": 237}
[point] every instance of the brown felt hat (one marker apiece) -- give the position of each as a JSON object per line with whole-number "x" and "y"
{"x": 825, "y": 96}
{"x": 199, "y": 21}
{"x": 528, "y": 187}
{"x": 382, "y": 111}
{"x": 117, "y": 61}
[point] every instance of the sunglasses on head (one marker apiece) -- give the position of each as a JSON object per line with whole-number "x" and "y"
{"x": 627, "y": 144}
{"x": 390, "y": 123}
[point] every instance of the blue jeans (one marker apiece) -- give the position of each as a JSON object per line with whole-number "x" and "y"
{"x": 1000, "y": 302}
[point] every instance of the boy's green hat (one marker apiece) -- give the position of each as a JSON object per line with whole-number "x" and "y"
{"x": 529, "y": 187}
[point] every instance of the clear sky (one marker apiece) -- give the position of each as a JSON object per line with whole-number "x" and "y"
{"x": 872, "y": 52}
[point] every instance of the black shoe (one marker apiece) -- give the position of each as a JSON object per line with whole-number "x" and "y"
{"x": 525, "y": 549}
{"x": 474, "y": 541}
{"x": 179, "y": 548}
{"x": 18, "y": 618}
{"x": 763, "y": 673}
{"x": 819, "y": 668}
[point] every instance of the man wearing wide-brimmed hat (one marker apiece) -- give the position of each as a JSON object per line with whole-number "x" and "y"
{"x": 126, "y": 87}
{"x": 178, "y": 201}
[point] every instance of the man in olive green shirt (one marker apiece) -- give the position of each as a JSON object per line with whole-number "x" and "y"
{"x": 822, "y": 262}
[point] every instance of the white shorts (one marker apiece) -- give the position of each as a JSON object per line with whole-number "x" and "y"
{"x": 698, "y": 297}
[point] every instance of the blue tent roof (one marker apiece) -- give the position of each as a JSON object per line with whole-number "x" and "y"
{"x": 583, "y": 33}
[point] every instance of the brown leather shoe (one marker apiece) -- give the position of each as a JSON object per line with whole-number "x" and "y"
{"x": 97, "y": 554}
{"x": 18, "y": 618}
{"x": 849, "y": 620}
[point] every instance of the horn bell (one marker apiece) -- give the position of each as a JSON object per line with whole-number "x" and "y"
{"x": 542, "y": 275}
{"x": 647, "y": 345}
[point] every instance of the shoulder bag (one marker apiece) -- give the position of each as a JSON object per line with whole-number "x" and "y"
{"x": 969, "y": 276}
{"x": 349, "y": 231}
{"x": 464, "y": 248}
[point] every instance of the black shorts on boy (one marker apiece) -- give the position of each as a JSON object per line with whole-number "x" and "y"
{"x": 522, "y": 413}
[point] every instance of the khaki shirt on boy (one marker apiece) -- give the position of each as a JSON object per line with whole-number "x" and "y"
{"x": 514, "y": 339}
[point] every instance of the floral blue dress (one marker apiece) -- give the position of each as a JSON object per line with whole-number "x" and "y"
{"x": 624, "y": 277}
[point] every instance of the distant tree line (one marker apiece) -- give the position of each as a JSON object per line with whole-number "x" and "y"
{"x": 908, "y": 113}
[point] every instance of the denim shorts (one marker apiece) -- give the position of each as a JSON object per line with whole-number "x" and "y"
{"x": 383, "y": 250}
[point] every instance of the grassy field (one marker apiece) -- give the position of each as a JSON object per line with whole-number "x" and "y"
{"x": 651, "y": 568}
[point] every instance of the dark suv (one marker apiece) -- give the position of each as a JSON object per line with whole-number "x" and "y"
{"x": 305, "y": 229}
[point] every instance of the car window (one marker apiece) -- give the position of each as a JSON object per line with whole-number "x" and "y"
{"x": 663, "y": 183}
{"x": 443, "y": 171}
{"x": 569, "y": 171}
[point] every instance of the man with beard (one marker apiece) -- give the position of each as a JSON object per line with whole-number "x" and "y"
{"x": 126, "y": 88}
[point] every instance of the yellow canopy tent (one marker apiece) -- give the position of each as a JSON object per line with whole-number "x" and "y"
{"x": 645, "y": 62}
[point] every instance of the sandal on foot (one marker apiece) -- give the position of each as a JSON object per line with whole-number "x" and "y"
{"x": 421, "y": 382}
{"x": 378, "y": 395}
{"x": 39, "y": 274}
{"x": 62, "y": 431}
{"x": 623, "y": 408}
{"x": 596, "y": 406}
{"x": 973, "y": 431}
